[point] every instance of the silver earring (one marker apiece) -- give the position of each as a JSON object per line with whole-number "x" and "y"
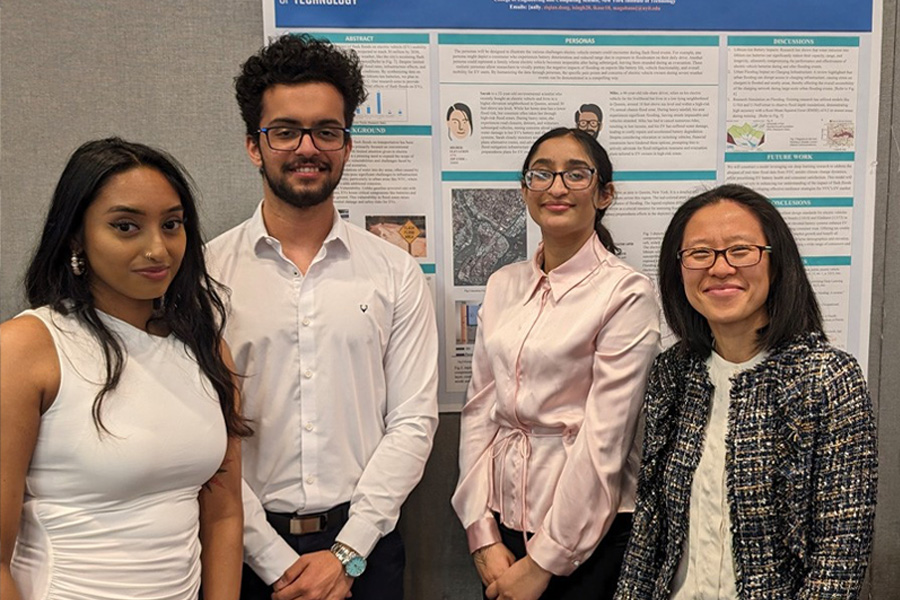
{"x": 77, "y": 264}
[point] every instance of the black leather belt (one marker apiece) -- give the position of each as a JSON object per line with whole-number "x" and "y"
{"x": 294, "y": 524}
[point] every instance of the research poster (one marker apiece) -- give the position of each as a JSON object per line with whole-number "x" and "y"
{"x": 684, "y": 94}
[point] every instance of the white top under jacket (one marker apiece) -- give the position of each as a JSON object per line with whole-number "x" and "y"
{"x": 706, "y": 570}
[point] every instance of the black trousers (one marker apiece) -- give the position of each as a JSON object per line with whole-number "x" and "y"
{"x": 382, "y": 580}
{"x": 596, "y": 578}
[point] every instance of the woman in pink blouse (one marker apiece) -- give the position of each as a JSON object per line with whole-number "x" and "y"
{"x": 548, "y": 461}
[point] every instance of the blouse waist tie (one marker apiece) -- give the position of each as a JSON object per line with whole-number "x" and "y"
{"x": 519, "y": 440}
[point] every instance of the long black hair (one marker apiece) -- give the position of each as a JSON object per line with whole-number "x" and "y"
{"x": 791, "y": 304}
{"x": 193, "y": 311}
{"x": 601, "y": 163}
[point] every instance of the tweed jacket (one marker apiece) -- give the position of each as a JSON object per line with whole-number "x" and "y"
{"x": 801, "y": 471}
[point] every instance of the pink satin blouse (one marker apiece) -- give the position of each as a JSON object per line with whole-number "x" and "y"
{"x": 558, "y": 376}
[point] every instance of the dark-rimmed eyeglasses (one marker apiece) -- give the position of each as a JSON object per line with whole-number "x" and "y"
{"x": 738, "y": 256}
{"x": 288, "y": 139}
{"x": 540, "y": 180}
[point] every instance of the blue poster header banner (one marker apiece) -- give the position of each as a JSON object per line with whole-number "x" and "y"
{"x": 581, "y": 15}
{"x": 480, "y": 176}
{"x": 524, "y": 39}
{"x": 736, "y": 157}
{"x": 619, "y": 176}
{"x": 664, "y": 176}
{"x": 373, "y": 38}
{"x": 793, "y": 41}
{"x": 812, "y": 202}
{"x": 827, "y": 261}
{"x": 390, "y": 130}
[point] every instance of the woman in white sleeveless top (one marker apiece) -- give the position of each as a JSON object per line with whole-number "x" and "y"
{"x": 120, "y": 431}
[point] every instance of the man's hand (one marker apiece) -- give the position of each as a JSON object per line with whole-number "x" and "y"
{"x": 315, "y": 576}
{"x": 525, "y": 580}
{"x": 491, "y": 562}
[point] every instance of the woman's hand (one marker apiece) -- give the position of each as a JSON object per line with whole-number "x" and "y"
{"x": 492, "y": 561}
{"x": 524, "y": 580}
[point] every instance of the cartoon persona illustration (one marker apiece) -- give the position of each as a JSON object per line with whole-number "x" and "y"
{"x": 589, "y": 118}
{"x": 459, "y": 121}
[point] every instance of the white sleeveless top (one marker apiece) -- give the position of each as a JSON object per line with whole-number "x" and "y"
{"x": 117, "y": 516}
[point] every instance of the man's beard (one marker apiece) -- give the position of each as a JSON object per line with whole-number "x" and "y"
{"x": 306, "y": 198}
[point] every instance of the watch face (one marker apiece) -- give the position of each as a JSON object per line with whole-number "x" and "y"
{"x": 355, "y": 566}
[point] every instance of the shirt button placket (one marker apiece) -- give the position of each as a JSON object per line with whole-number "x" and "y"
{"x": 306, "y": 408}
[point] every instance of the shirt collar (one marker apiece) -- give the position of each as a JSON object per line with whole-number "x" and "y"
{"x": 258, "y": 235}
{"x": 256, "y": 228}
{"x": 569, "y": 274}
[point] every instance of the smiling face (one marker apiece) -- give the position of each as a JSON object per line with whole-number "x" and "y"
{"x": 133, "y": 242}
{"x": 563, "y": 214}
{"x": 589, "y": 122}
{"x": 306, "y": 176}
{"x": 733, "y": 300}
{"x": 459, "y": 125}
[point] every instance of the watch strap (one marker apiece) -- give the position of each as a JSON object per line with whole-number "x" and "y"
{"x": 353, "y": 562}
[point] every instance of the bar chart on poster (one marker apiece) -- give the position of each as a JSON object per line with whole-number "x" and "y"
{"x": 385, "y": 104}
{"x": 684, "y": 95}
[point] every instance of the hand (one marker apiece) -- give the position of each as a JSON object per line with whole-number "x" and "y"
{"x": 524, "y": 580}
{"x": 491, "y": 561}
{"x": 315, "y": 576}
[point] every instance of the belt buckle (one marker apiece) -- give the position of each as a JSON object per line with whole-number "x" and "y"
{"x": 303, "y": 525}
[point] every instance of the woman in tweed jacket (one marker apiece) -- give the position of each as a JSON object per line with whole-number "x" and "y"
{"x": 762, "y": 486}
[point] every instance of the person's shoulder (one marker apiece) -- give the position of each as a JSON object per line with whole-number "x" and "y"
{"x": 512, "y": 272}
{"x": 227, "y": 240}
{"x": 828, "y": 351}
{"x": 809, "y": 362}
{"x": 833, "y": 362}
{"x": 621, "y": 271}
{"x": 29, "y": 352}
{"x": 509, "y": 283}
{"x": 812, "y": 351}
{"x": 26, "y": 338}
{"x": 673, "y": 360}
{"x": 223, "y": 251}
{"x": 623, "y": 285}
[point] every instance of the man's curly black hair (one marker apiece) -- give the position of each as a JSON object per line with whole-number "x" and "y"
{"x": 298, "y": 59}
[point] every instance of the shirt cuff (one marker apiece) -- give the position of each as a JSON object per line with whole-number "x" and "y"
{"x": 483, "y": 532}
{"x": 271, "y": 563}
{"x": 359, "y": 535}
{"x": 550, "y": 556}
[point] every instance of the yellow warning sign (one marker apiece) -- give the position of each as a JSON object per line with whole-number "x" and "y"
{"x": 409, "y": 232}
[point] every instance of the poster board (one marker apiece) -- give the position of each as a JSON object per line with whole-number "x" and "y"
{"x": 691, "y": 94}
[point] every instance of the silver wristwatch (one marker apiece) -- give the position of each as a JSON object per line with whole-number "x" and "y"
{"x": 354, "y": 564}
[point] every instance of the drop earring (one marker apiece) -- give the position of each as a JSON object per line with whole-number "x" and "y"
{"x": 77, "y": 263}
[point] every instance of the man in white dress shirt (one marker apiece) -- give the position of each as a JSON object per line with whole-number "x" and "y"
{"x": 334, "y": 334}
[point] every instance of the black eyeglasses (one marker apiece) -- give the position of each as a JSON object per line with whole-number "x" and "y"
{"x": 741, "y": 255}
{"x": 288, "y": 139}
{"x": 541, "y": 180}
